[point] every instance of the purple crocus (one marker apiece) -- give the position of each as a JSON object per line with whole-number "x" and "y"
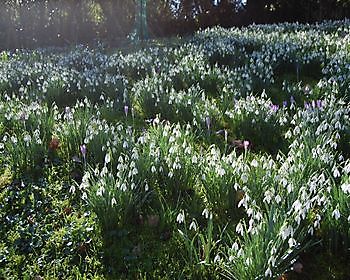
{"x": 274, "y": 107}
{"x": 83, "y": 150}
{"x": 126, "y": 110}
{"x": 285, "y": 103}
{"x": 306, "y": 105}
{"x": 319, "y": 104}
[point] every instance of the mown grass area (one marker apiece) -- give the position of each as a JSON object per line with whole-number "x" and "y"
{"x": 225, "y": 155}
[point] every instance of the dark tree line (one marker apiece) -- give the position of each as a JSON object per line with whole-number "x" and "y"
{"x": 33, "y": 23}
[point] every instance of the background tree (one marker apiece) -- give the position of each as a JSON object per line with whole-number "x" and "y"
{"x": 38, "y": 23}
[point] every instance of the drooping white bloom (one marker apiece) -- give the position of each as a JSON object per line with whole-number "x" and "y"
{"x": 207, "y": 214}
{"x": 291, "y": 242}
{"x": 180, "y": 217}
{"x": 217, "y": 259}
{"x": 153, "y": 169}
{"x": 346, "y": 188}
{"x": 235, "y": 246}
{"x": 268, "y": 273}
{"x": 193, "y": 226}
{"x": 278, "y": 199}
{"x": 107, "y": 158}
{"x": 254, "y": 163}
{"x": 113, "y": 202}
{"x": 336, "y": 214}
{"x": 239, "y": 228}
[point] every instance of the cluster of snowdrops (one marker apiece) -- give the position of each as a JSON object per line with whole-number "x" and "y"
{"x": 232, "y": 148}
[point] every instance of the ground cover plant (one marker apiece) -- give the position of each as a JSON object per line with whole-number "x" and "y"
{"x": 226, "y": 155}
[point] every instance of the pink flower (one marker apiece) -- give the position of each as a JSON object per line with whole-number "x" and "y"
{"x": 246, "y": 144}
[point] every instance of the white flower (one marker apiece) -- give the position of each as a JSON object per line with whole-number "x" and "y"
{"x": 244, "y": 178}
{"x": 194, "y": 159}
{"x": 123, "y": 187}
{"x": 235, "y": 246}
{"x": 286, "y": 231}
{"x": 291, "y": 242}
{"x": 346, "y": 188}
{"x": 72, "y": 189}
{"x": 278, "y": 199}
{"x": 107, "y": 158}
{"x": 193, "y": 226}
{"x": 221, "y": 172}
{"x": 336, "y": 173}
{"x": 272, "y": 261}
{"x": 268, "y": 197}
{"x": 27, "y": 138}
{"x": 205, "y": 213}
{"x": 104, "y": 171}
{"x": 336, "y": 214}
{"x": 268, "y": 273}
{"x": 254, "y": 163}
{"x": 217, "y": 259}
{"x": 240, "y": 252}
{"x": 297, "y": 205}
{"x": 180, "y": 217}
{"x": 113, "y": 202}
{"x": 100, "y": 191}
{"x": 239, "y": 228}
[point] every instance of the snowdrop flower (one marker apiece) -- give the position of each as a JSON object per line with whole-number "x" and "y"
{"x": 113, "y": 202}
{"x": 221, "y": 172}
{"x": 100, "y": 191}
{"x": 235, "y": 246}
{"x": 278, "y": 199}
{"x": 336, "y": 214}
{"x": 180, "y": 217}
{"x": 286, "y": 231}
{"x": 194, "y": 159}
{"x": 346, "y": 188}
{"x": 254, "y": 163}
{"x": 291, "y": 242}
{"x": 104, "y": 171}
{"x": 268, "y": 273}
{"x": 207, "y": 214}
{"x": 193, "y": 226}
{"x": 146, "y": 187}
{"x": 336, "y": 172}
{"x": 107, "y": 158}
{"x": 217, "y": 259}
{"x": 244, "y": 178}
{"x": 239, "y": 228}
{"x": 268, "y": 197}
{"x": 72, "y": 189}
